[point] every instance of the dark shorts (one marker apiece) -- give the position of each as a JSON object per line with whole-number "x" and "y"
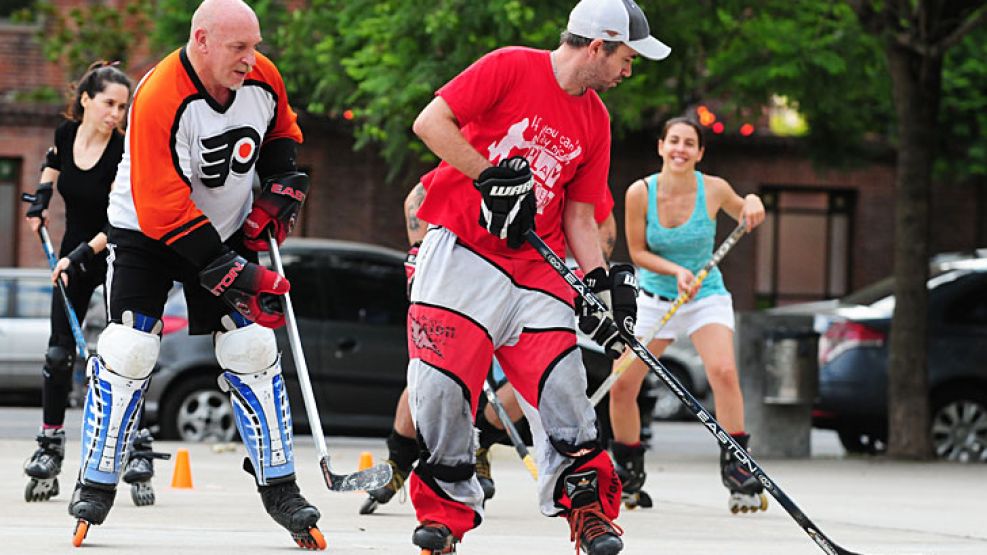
{"x": 143, "y": 270}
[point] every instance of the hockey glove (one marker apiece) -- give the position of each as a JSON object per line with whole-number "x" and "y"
{"x": 599, "y": 326}
{"x": 623, "y": 291}
{"x": 79, "y": 260}
{"x": 250, "y": 289}
{"x": 409, "y": 265}
{"x": 277, "y": 206}
{"x": 508, "y": 207}
{"x": 39, "y": 201}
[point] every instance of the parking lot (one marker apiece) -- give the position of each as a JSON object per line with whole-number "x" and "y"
{"x": 869, "y": 505}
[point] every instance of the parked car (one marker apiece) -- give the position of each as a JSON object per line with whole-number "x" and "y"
{"x": 25, "y": 303}
{"x": 853, "y": 357}
{"x": 351, "y": 310}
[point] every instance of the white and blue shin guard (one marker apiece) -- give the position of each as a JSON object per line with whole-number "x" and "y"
{"x": 253, "y": 378}
{"x": 118, "y": 380}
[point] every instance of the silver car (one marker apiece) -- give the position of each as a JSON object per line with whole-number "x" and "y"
{"x": 25, "y": 303}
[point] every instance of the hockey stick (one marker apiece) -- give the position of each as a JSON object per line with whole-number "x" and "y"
{"x": 519, "y": 446}
{"x": 80, "y": 341}
{"x": 371, "y": 478}
{"x": 625, "y": 362}
{"x": 689, "y": 401}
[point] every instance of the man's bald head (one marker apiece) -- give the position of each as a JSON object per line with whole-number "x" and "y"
{"x": 213, "y": 14}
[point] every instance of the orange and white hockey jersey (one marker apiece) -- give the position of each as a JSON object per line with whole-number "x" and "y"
{"x": 189, "y": 161}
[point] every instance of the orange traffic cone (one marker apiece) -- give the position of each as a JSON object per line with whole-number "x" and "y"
{"x": 182, "y": 477}
{"x": 366, "y": 461}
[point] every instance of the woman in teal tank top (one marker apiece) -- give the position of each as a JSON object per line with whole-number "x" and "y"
{"x": 671, "y": 229}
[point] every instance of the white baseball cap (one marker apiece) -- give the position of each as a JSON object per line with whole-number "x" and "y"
{"x": 616, "y": 20}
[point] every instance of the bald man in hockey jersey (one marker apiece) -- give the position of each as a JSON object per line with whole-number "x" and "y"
{"x": 203, "y": 122}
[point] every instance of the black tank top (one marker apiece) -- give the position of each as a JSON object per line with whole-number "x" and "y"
{"x": 86, "y": 192}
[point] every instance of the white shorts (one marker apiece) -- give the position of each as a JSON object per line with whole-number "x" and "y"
{"x": 714, "y": 309}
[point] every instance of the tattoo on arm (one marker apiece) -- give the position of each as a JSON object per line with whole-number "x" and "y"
{"x": 415, "y": 199}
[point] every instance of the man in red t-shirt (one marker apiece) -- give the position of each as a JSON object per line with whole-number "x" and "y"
{"x": 525, "y": 143}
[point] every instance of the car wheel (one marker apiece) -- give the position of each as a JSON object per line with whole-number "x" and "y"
{"x": 959, "y": 425}
{"x": 862, "y": 443}
{"x": 667, "y": 405}
{"x": 196, "y": 410}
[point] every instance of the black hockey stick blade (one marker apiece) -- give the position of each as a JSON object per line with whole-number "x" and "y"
{"x": 376, "y": 476}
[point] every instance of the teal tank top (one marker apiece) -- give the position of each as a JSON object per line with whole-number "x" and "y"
{"x": 689, "y": 245}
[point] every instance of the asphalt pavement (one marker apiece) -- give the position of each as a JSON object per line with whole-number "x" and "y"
{"x": 868, "y": 505}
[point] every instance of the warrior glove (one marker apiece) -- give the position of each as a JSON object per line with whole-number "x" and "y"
{"x": 409, "y": 265}
{"x": 277, "y": 206}
{"x": 620, "y": 286}
{"x": 39, "y": 201}
{"x": 508, "y": 207}
{"x": 251, "y": 290}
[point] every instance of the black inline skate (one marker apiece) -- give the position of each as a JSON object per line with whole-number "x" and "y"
{"x": 90, "y": 504}
{"x": 589, "y": 527}
{"x": 45, "y": 465}
{"x": 284, "y": 502}
{"x": 746, "y": 492}
{"x": 629, "y": 464}
{"x": 483, "y": 473}
{"x": 401, "y": 455}
{"x": 140, "y": 468}
{"x": 434, "y": 538}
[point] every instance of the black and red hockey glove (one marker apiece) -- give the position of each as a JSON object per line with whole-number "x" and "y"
{"x": 277, "y": 207}
{"x": 252, "y": 290}
{"x": 508, "y": 207}
{"x": 410, "y": 260}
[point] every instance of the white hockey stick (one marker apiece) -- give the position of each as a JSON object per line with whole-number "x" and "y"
{"x": 625, "y": 362}
{"x": 371, "y": 478}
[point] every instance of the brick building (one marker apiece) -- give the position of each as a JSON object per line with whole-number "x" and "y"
{"x": 828, "y": 232}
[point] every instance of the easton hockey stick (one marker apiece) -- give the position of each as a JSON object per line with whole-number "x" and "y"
{"x": 689, "y": 401}
{"x": 625, "y": 362}
{"x": 371, "y": 478}
{"x": 519, "y": 446}
{"x": 80, "y": 341}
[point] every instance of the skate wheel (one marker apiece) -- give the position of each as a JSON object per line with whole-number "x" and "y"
{"x": 142, "y": 494}
{"x": 313, "y": 539}
{"x": 81, "y": 529}
{"x": 764, "y": 502}
{"x": 629, "y": 506}
{"x": 40, "y": 489}
{"x": 369, "y": 506}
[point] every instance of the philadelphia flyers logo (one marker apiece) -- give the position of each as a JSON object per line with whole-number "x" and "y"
{"x": 234, "y": 150}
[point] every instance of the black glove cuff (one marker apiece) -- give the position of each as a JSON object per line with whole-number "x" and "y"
{"x": 597, "y": 280}
{"x": 277, "y": 157}
{"x": 82, "y": 254}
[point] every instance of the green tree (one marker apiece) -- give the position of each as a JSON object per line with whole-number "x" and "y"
{"x": 99, "y": 32}
{"x": 915, "y": 37}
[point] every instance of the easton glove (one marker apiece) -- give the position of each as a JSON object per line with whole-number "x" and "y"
{"x": 250, "y": 289}
{"x": 508, "y": 207}
{"x": 277, "y": 206}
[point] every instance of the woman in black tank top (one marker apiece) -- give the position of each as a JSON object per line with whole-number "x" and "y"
{"x": 83, "y": 162}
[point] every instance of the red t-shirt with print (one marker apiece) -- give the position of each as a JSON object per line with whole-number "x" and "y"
{"x": 508, "y": 103}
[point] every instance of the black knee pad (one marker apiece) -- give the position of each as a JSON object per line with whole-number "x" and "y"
{"x": 402, "y": 450}
{"x": 58, "y": 365}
